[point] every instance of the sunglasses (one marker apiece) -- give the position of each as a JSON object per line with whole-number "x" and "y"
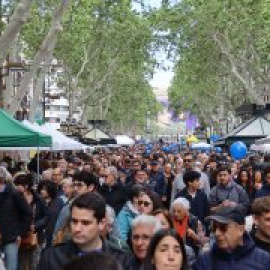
{"x": 144, "y": 203}
{"x": 222, "y": 227}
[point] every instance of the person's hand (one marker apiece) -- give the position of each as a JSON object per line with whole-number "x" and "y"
{"x": 190, "y": 233}
{"x": 226, "y": 203}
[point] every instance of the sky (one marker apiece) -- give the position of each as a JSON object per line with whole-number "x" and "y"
{"x": 161, "y": 78}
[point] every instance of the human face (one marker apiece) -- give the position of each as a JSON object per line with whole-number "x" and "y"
{"x": 188, "y": 162}
{"x": 108, "y": 177}
{"x": 57, "y": 176}
{"x": 228, "y": 236}
{"x": 155, "y": 168}
{"x": 140, "y": 239}
{"x": 179, "y": 212}
{"x": 195, "y": 185}
{"x": 80, "y": 187}
{"x": 168, "y": 254}
{"x": 244, "y": 176}
{"x": 85, "y": 228}
{"x": 257, "y": 177}
{"x": 223, "y": 178}
{"x": 68, "y": 189}
{"x": 21, "y": 188}
{"x": 145, "y": 205}
{"x": 163, "y": 220}
{"x": 262, "y": 223}
{"x": 141, "y": 177}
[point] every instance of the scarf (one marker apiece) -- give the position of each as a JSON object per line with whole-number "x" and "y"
{"x": 181, "y": 228}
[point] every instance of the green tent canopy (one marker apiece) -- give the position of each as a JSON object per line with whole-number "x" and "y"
{"x": 14, "y": 134}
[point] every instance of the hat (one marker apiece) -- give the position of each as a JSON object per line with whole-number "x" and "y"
{"x": 154, "y": 162}
{"x": 229, "y": 214}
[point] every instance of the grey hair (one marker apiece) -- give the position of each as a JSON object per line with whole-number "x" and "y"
{"x": 110, "y": 213}
{"x": 112, "y": 171}
{"x": 181, "y": 201}
{"x": 148, "y": 221}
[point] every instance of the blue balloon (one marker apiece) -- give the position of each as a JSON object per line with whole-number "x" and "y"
{"x": 238, "y": 150}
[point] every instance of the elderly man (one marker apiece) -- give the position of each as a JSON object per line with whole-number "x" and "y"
{"x": 233, "y": 248}
{"x": 113, "y": 190}
{"x": 143, "y": 229}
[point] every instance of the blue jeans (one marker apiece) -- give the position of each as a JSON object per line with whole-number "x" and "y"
{"x": 11, "y": 256}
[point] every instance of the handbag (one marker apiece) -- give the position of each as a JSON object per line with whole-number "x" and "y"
{"x": 30, "y": 241}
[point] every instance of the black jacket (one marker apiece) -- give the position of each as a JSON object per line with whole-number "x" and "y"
{"x": 246, "y": 257}
{"x": 15, "y": 215}
{"x": 55, "y": 258}
{"x": 115, "y": 196}
{"x": 199, "y": 205}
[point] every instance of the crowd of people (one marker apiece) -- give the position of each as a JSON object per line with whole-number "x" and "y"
{"x": 127, "y": 208}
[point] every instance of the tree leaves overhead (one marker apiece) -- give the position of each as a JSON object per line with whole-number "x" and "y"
{"x": 106, "y": 47}
{"x": 223, "y": 53}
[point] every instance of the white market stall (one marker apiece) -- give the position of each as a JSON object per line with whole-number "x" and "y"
{"x": 124, "y": 140}
{"x": 60, "y": 141}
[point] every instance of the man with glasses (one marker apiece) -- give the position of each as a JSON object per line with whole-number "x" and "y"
{"x": 233, "y": 248}
{"x": 112, "y": 190}
{"x": 178, "y": 184}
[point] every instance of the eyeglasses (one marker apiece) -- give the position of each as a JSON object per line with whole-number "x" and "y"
{"x": 222, "y": 227}
{"x": 144, "y": 203}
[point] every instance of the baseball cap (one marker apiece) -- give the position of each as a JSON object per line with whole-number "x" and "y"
{"x": 229, "y": 214}
{"x": 154, "y": 162}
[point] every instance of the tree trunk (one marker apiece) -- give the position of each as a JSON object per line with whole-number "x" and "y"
{"x": 38, "y": 88}
{"x": 47, "y": 46}
{"x": 17, "y": 20}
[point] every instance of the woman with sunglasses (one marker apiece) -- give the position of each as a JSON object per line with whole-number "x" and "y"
{"x": 129, "y": 211}
{"x": 166, "y": 251}
{"x": 149, "y": 202}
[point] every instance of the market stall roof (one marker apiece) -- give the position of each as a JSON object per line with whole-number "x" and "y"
{"x": 124, "y": 140}
{"x": 61, "y": 141}
{"x": 14, "y": 135}
{"x": 264, "y": 140}
{"x": 97, "y": 137}
{"x": 248, "y": 132}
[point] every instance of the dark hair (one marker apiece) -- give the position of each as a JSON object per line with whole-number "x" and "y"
{"x": 91, "y": 201}
{"x": 190, "y": 176}
{"x": 155, "y": 198}
{"x": 87, "y": 178}
{"x": 166, "y": 214}
{"x": 222, "y": 168}
{"x": 148, "y": 265}
{"x": 25, "y": 180}
{"x": 260, "y": 206}
{"x": 249, "y": 186}
{"x": 50, "y": 187}
{"x": 94, "y": 260}
{"x": 136, "y": 191}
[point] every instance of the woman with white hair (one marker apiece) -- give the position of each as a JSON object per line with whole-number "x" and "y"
{"x": 185, "y": 224}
